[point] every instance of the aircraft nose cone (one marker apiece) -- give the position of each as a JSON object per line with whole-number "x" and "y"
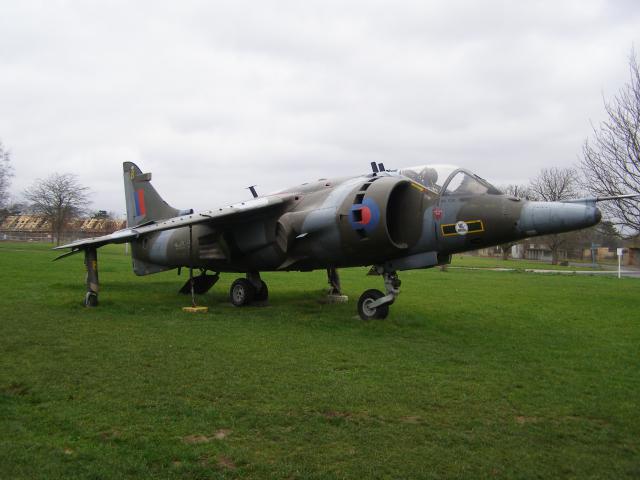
{"x": 541, "y": 218}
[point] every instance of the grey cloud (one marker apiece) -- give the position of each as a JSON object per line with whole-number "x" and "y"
{"x": 214, "y": 96}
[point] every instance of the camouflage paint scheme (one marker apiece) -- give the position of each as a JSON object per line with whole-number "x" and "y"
{"x": 393, "y": 220}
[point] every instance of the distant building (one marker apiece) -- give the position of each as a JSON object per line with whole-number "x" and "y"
{"x": 537, "y": 251}
{"x": 600, "y": 253}
{"x": 34, "y": 228}
{"x": 633, "y": 252}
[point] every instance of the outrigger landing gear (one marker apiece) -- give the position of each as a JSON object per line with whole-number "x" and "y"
{"x": 373, "y": 304}
{"x": 245, "y": 291}
{"x": 91, "y": 263}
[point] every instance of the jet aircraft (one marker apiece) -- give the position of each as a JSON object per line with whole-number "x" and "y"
{"x": 411, "y": 218}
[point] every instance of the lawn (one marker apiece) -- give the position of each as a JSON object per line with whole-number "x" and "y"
{"x": 475, "y": 374}
{"x": 472, "y": 261}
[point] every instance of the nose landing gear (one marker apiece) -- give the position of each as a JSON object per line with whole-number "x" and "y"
{"x": 373, "y": 304}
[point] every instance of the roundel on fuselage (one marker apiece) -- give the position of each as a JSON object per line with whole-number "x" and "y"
{"x": 365, "y": 215}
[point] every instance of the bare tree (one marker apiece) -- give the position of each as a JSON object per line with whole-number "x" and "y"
{"x": 59, "y": 198}
{"x": 611, "y": 160}
{"x": 554, "y": 185}
{"x": 515, "y": 190}
{"x": 6, "y": 172}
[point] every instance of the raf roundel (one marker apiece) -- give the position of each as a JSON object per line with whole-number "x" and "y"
{"x": 364, "y": 216}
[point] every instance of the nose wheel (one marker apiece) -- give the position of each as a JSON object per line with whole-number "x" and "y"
{"x": 366, "y": 306}
{"x": 373, "y": 304}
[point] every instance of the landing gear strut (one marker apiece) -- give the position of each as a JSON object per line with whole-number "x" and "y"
{"x": 334, "y": 295}
{"x": 373, "y": 304}
{"x": 334, "y": 282}
{"x": 245, "y": 291}
{"x": 91, "y": 263}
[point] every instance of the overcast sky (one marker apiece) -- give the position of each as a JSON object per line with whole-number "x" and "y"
{"x": 214, "y": 96}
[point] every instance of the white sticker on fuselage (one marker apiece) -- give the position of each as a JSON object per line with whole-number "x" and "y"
{"x": 462, "y": 228}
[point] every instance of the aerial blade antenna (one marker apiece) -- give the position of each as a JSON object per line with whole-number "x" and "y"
{"x": 252, "y": 189}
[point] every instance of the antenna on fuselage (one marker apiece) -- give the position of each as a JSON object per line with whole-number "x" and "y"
{"x": 252, "y": 189}
{"x": 381, "y": 167}
{"x": 374, "y": 167}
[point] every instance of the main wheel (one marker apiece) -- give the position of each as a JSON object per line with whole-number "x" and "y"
{"x": 241, "y": 292}
{"x": 263, "y": 294}
{"x": 367, "y": 312}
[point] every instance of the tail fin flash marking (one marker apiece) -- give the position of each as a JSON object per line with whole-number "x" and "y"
{"x": 139, "y": 199}
{"x": 144, "y": 204}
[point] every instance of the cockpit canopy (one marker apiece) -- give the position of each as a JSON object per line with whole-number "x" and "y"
{"x": 449, "y": 180}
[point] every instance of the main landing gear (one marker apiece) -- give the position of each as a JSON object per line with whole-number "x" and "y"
{"x": 374, "y": 304}
{"x": 245, "y": 291}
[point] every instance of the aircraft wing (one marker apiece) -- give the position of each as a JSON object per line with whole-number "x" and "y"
{"x": 237, "y": 212}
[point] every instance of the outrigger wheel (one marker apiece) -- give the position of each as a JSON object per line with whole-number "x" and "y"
{"x": 242, "y": 292}
{"x": 91, "y": 299}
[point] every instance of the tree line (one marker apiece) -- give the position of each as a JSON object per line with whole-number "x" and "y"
{"x": 59, "y": 198}
{"x": 609, "y": 166}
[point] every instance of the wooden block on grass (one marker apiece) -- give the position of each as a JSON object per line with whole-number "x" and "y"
{"x": 195, "y": 309}
{"x": 329, "y": 299}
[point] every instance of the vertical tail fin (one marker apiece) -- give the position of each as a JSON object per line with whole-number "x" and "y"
{"x": 143, "y": 201}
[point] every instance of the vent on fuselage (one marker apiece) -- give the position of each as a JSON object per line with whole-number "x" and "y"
{"x": 356, "y": 214}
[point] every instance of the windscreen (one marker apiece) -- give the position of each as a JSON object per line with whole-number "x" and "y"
{"x": 465, "y": 183}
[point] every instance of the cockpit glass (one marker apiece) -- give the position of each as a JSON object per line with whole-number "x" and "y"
{"x": 464, "y": 184}
{"x": 431, "y": 176}
{"x": 455, "y": 180}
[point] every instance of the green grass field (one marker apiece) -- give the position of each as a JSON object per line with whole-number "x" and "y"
{"x": 471, "y": 261}
{"x": 475, "y": 374}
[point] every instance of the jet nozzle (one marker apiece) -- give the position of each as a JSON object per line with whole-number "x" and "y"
{"x": 543, "y": 218}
